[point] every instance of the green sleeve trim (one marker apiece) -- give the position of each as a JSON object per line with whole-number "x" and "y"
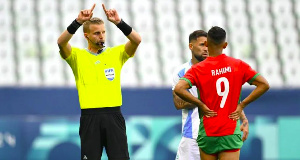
{"x": 253, "y": 78}
{"x": 187, "y": 81}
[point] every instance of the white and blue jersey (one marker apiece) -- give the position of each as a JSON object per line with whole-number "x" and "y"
{"x": 190, "y": 117}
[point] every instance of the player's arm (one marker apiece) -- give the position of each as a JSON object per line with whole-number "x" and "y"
{"x": 262, "y": 86}
{"x": 178, "y": 102}
{"x": 134, "y": 38}
{"x": 244, "y": 126}
{"x": 181, "y": 91}
{"x": 63, "y": 40}
{"x": 181, "y": 104}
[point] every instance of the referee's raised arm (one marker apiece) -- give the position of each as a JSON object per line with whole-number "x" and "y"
{"x": 134, "y": 38}
{"x": 62, "y": 41}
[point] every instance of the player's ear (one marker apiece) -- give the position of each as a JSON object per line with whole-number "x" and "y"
{"x": 85, "y": 35}
{"x": 225, "y": 45}
{"x": 190, "y": 46}
{"x": 205, "y": 44}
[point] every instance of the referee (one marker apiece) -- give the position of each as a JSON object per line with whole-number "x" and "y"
{"x": 97, "y": 72}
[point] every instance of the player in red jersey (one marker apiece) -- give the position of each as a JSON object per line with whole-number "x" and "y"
{"x": 219, "y": 79}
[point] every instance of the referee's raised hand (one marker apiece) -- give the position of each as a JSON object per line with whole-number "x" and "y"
{"x": 112, "y": 15}
{"x": 85, "y": 15}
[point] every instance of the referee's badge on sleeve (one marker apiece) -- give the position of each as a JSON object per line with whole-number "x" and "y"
{"x": 110, "y": 73}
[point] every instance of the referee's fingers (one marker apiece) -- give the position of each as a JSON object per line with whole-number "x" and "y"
{"x": 103, "y": 6}
{"x": 93, "y": 7}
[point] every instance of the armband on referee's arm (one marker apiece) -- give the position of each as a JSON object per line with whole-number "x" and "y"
{"x": 72, "y": 28}
{"x": 124, "y": 27}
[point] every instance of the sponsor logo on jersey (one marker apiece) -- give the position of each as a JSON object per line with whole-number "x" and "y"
{"x": 110, "y": 73}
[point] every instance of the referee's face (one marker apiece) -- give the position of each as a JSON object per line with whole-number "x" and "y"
{"x": 198, "y": 49}
{"x": 96, "y": 34}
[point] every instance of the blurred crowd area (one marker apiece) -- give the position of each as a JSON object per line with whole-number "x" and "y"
{"x": 264, "y": 33}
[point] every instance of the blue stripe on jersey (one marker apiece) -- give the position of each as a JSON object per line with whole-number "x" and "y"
{"x": 181, "y": 73}
{"x": 188, "y": 127}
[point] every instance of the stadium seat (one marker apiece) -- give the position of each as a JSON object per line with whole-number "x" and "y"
{"x": 290, "y": 52}
{"x": 69, "y": 11}
{"x": 5, "y": 6}
{"x": 29, "y": 72}
{"x": 7, "y": 64}
{"x": 291, "y": 73}
{"x": 24, "y": 8}
{"x": 235, "y": 8}
{"x": 187, "y": 54}
{"x": 212, "y": 14}
{"x": 261, "y": 19}
{"x": 149, "y": 67}
{"x": 281, "y": 8}
{"x": 53, "y": 72}
{"x": 297, "y": 14}
{"x": 46, "y": 7}
{"x": 266, "y": 53}
{"x": 171, "y": 59}
{"x": 129, "y": 77}
{"x": 140, "y": 10}
{"x": 165, "y": 7}
{"x": 270, "y": 69}
{"x": 189, "y": 18}
{"x": 52, "y": 68}
{"x": 121, "y": 6}
{"x": 8, "y": 73}
{"x": 5, "y": 21}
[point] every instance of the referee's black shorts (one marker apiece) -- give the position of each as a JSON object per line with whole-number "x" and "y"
{"x": 103, "y": 127}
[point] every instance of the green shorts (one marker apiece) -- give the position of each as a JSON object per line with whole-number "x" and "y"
{"x": 212, "y": 145}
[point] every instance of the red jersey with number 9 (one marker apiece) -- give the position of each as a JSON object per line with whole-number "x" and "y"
{"x": 219, "y": 81}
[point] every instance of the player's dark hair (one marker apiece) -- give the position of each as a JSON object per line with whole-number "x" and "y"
{"x": 196, "y": 34}
{"x": 217, "y": 35}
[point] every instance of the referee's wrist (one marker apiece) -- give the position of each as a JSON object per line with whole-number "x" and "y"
{"x": 72, "y": 28}
{"x": 79, "y": 21}
{"x": 118, "y": 22}
{"x": 124, "y": 27}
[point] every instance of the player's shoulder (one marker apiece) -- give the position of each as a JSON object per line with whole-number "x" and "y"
{"x": 234, "y": 60}
{"x": 181, "y": 69}
{"x": 203, "y": 63}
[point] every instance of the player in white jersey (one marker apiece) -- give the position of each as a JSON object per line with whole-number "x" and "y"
{"x": 188, "y": 147}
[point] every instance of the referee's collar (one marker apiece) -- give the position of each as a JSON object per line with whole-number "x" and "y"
{"x": 98, "y": 53}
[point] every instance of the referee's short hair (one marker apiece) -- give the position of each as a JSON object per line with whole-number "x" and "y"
{"x": 94, "y": 20}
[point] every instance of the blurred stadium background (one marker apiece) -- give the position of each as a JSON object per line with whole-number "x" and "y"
{"x": 39, "y": 110}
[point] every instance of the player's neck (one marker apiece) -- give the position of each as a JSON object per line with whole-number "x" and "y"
{"x": 194, "y": 61}
{"x": 215, "y": 52}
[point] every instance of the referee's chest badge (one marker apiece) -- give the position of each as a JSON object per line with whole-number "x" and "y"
{"x": 110, "y": 73}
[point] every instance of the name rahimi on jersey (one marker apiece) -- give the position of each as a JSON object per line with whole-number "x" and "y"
{"x": 220, "y": 71}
